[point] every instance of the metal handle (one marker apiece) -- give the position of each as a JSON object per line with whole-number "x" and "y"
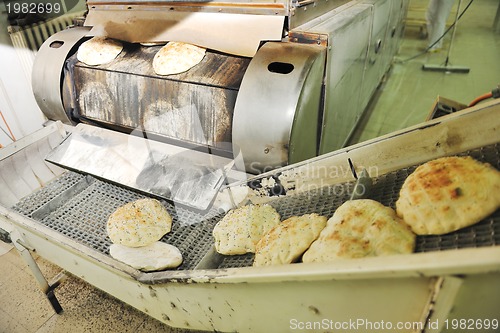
{"x": 304, "y": 3}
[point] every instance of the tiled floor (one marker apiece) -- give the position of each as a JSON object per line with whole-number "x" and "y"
{"x": 25, "y": 309}
{"x": 404, "y": 99}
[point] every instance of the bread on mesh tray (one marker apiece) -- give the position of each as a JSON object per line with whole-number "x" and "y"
{"x": 361, "y": 228}
{"x": 448, "y": 194}
{"x": 139, "y": 223}
{"x": 287, "y": 241}
{"x": 153, "y": 257}
{"x": 240, "y": 229}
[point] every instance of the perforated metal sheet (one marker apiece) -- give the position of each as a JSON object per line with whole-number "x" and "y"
{"x": 34, "y": 201}
{"x": 83, "y": 216}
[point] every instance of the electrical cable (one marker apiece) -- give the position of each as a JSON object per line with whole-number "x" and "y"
{"x": 8, "y": 135}
{"x": 437, "y": 41}
{"x": 480, "y": 98}
{"x": 11, "y": 136}
{"x": 495, "y": 93}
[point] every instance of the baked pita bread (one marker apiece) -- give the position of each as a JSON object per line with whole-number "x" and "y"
{"x": 448, "y": 194}
{"x": 287, "y": 241}
{"x": 240, "y": 229}
{"x": 139, "y": 223}
{"x": 361, "y": 228}
{"x": 154, "y": 257}
{"x": 98, "y": 51}
{"x": 176, "y": 57}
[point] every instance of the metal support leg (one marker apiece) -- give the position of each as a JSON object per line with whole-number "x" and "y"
{"x": 24, "y": 251}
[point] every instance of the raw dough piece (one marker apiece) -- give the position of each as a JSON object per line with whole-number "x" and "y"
{"x": 287, "y": 241}
{"x": 139, "y": 223}
{"x": 361, "y": 228}
{"x": 448, "y": 194}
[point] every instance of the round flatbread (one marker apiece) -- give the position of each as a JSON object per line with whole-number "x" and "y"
{"x": 98, "y": 51}
{"x": 240, "y": 229}
{"x": 287, "y": 241}
{"x": 177, "y": 57}
{"x": 448, "y": 194}
{"x": 139, "y": 223}
{"x": 361, "y": 228}
{"x": 154, "y": 257}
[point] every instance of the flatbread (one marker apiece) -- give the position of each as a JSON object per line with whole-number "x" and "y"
{"x": 176, "y": 57}
{"x": 98, "y": 51}
{"x": 154, "y": 257}
{"x": 240, "y": 229}
{"x": 361, "y": 228}
{"x": 448, "y": 194}
{"x": 287, "y": 241}
{"x": 139, "y": 223}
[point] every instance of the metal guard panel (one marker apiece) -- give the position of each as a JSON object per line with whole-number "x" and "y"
{"x": 233, "y": 33}
{"x": 271, "y": 94}
{"x": 47, "y": 71}
{"x": 186, "y": 177}
{"x": 261, "y": 7}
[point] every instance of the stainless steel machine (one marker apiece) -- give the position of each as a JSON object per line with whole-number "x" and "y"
{"x": 262, "y": 118}
{"x": 281, "y": 82}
